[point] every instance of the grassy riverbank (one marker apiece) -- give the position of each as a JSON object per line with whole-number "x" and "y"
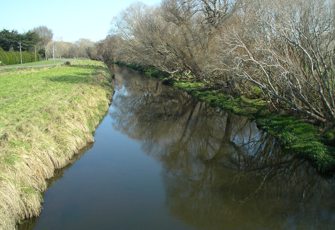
{"x": 296, "y": 136}
{"x": 46, "y": 116}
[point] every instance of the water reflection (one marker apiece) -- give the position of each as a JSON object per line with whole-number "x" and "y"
{"x": 220, "y": 170}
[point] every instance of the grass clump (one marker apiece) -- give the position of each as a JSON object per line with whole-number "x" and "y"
{"x": 300, "y": 138}
{"x": 189, "y": 86}
{"x": 238, "y": 105}
{"x": 47, "y": 115}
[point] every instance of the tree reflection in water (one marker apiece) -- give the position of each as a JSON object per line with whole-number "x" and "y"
{"x": 220, "y": 170}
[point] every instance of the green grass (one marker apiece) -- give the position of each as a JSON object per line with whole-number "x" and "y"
{"x": 189, "y": 86}
{"x": 299, "y": 138}
{"x": 46, "y": 116}
{"x": 239, "y": 105}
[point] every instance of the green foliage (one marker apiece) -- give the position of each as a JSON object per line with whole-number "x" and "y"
{"x": 29, "y": 40}
{"x": 299, "y": 138}
{"x": 155, "y": 73}
{"x": 238, "y": 105}
{"x": 11, "y": 159}
{"x": 9, "y": 40}
{"x": 256, "y": 91}
{"x": 13, "y": 57}
{"x": 329, "y": 137}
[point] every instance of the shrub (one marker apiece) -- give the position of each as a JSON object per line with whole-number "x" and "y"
{"x": 13, "y": 57}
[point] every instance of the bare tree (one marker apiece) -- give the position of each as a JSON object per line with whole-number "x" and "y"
{"x": 175, "y": 37}
{"x": 284, "y": 48}
{"x": 83, "y": 45}
{"x": 45, "y": 34}
{"x": 291, "y": 56}
{"x": 110, "y": 49}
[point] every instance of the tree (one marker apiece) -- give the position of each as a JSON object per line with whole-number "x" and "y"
{"x": 14, "y": 41}
{"x": 83, "y": 48}
{"x": 45, "y": 34}
{"x": 29, "y": 40}
{"x": 290, "y": 56}
{"x": 109, "y": 50}
{"x": 9, "y": 40}
{"x": 176, "y": 37}
{"x": 283, "y": 49}
{"x": 83, "y": 45}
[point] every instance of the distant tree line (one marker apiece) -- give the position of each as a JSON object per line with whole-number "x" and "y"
{"x": 10, "y": 40}
{"x": 38, "y": 43}
{"x": 282, "y": 51}
{"x": 83, "y": 48}
{"x": 10, "y": 44}
{"x": 31, "y": 44}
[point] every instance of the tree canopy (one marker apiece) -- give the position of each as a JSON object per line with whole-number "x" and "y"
{"x": 10, "y": 40}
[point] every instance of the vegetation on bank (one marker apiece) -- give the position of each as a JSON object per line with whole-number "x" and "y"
{"x": 295, "y": 135}
{"x": 47, "y": 115}
{"x": 270, "y": 60}
{"x": 284, "y": 49}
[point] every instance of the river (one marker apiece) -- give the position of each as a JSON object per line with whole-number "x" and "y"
{"x": 162, "y": 160}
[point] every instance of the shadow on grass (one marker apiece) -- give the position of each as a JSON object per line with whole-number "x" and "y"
{"x": 94, "y": 67}
{"x": 79, "y": 78}
{"x": 82, "y": 78}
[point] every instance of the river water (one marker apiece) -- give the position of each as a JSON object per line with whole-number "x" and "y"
{"x": 162, "y": 160}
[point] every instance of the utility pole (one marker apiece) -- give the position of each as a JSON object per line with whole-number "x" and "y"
{"x": 20, "y": 51}
{"x": 35, "y": 53}
{"x": 53, "y": 50}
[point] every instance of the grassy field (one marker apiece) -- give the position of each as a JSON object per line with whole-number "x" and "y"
{"x": 46, "y": 116}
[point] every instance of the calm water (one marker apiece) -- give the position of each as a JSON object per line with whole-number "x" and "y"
{"x": 162, "y": 160}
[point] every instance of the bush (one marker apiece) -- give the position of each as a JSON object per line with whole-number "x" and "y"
{"x": 13, "y": 57}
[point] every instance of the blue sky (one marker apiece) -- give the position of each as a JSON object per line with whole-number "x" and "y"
{"x": 68, "y": 19}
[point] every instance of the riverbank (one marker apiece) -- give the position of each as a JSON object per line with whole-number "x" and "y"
{"x": 296, "y": 136}
{"x": 47, "y": 115}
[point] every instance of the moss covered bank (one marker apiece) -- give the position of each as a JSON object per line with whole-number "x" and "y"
{"x": 296, "y": 136}
{"x": 46, "y": 116}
